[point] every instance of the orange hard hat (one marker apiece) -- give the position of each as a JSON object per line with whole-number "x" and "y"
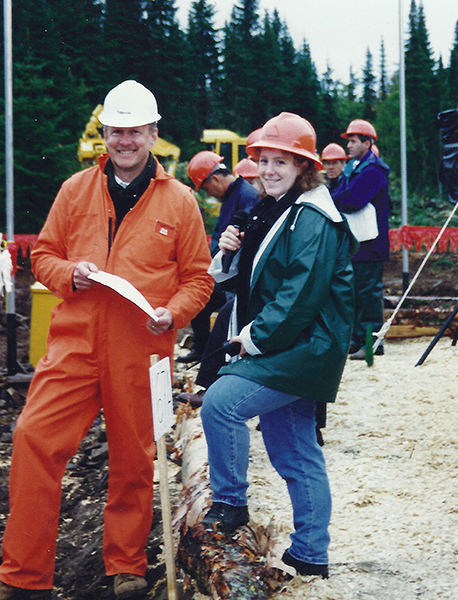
{"x": 360, "y": 127}
{"x": 246, "y": 168}
{"x": 201, "y": 165}
{"x": 375, "y": 150}
{"x": 290, "y": 133}
{"x": 253, "y": 137}
{"x": 333, "y": 152}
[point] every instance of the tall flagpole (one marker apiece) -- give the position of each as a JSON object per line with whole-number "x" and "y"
{"x": 402, "y": 109}
{"x": 12, "y": 365}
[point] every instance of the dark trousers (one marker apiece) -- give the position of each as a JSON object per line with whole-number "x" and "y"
{"x": 368, "y": 299}
{"x": 201, "y": 323}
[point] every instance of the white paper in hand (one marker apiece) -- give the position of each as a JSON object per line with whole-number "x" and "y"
{"x": 161, "y": 397}
{"x": 125, "y": 289}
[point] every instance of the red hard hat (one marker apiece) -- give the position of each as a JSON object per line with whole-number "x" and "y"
{"x": 246, "y": 168}
{"x": 290, "y": 133}
{"x": 201, "y": 165}
{"x": 360, "y": 127}
{"x": 333, "y": 152}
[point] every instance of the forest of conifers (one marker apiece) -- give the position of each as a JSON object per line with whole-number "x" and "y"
{"x": 67, "y": 54}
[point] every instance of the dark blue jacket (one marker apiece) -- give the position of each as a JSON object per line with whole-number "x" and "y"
{"x": 368, "y": 182}
{"x": 240, "y": 195}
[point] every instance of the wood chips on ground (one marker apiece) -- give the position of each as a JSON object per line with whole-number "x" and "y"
{"x": 391, "y": 447}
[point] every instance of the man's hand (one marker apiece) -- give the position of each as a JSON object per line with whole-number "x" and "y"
{"x": 80, "y": 275}
{"x": 165, "y": 321}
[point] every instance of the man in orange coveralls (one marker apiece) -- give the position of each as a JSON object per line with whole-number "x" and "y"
{"x": 129, "y": 217}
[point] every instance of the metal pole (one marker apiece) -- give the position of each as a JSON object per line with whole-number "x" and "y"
{"x": 12, "y": 365}
{"x": 402, "y": 110}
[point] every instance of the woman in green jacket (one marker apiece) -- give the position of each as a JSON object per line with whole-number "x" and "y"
{"x": 293, "y": 317}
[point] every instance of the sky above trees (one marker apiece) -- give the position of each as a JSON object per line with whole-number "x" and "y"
{"x": 341, "y": 33}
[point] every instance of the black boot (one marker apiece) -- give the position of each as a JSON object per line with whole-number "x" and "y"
{"x": 227, "y": 517}
{"x": 304, "y": 568}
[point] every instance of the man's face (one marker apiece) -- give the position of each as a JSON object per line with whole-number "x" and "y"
{"x": 215, "y": 186}
{"x": 356, "y": 148}
{"x": 129, "y": 149}
{"x": 333, "y": 168}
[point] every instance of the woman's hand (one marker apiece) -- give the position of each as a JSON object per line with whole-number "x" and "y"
{"x": 238, "y": 339}
{"x": 231, "y": 239}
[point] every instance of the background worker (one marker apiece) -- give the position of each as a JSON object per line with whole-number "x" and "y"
{"x": 333, "y": 158}
{"x": 248, "y": 169}
{"x": 128, "y": 217}
{"x": 365, "y": 180}
{"x": 208, "y": 172}
{"x": 294, "y": 277}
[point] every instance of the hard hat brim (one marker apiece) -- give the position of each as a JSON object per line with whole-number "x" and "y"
{"x": 254, "y": 150}
{"x": 125, "y": 120}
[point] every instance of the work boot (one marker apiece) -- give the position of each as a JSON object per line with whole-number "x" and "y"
{"x": 304, "y": 568}
{"x": 195, "y": 400}
{"x": 361, "y": 354}
{"x": 128, "y": 585}
{"x": 191, "y": 357}
{"x": 8, "y": 592}
{"x": 226, "y": 517}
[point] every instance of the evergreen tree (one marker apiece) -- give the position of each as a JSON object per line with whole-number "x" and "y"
{"x": 270, "y": 92}
{"x": 348, "y": 106}
{"x": 168, "y": 73}
{"x": 369, "y": 93}
{"x": 306, "y": 98}
{"x": 452, "y": 73}
{"x": 440, "y": 79}
{"x": 79, "y": 28}
{"x": 240, "y": 66}
{"x": 204, "y": 62}
{"x": 383, "y": 91}
{"x": 50, "y": 108}
{"x": 331, "y": 124}
{"x": 422, "y": 103}
{"x": 123, "y": 20}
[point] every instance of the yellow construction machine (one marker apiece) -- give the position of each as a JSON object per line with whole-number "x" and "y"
{"x": 225, "y": 143}
{"x": 92, "y": 145}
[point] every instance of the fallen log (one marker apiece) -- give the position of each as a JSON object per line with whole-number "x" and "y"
{"x": 224, "y": 566}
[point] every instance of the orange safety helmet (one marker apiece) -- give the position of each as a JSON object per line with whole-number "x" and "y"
{"x": 360, "y": 127}
{"x": 253, "y": 137}
{"x": 333, "y": 152}
{"x": 375, "y": 150}
{"x": 201, "y": 165}
{"x": 246, "y": 168}
{"x": 290, "y": 133}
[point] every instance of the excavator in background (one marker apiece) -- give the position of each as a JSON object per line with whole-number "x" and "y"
{"x": 92, "y": 145}
{"x": 225, "y": 143}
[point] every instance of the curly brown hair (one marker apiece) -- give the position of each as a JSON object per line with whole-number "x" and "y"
{"x": 310, "y": 178}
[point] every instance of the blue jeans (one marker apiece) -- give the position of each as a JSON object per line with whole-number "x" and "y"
{"x": 288, "y": 428}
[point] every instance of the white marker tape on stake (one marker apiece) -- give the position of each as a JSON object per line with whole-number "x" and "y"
{"x": 161, "y": 397}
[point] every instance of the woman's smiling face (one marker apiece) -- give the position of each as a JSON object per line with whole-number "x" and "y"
{"x": 277, "y": 171}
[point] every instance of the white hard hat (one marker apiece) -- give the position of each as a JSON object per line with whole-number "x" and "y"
{"x": 129, "y": 104}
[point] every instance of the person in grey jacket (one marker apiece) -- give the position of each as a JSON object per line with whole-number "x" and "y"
{"x": 293, "y": 316}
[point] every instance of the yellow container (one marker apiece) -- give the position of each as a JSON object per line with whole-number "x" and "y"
{"x": 43, "y": 301}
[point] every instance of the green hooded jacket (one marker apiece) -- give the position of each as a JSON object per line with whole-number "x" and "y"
{"x": 301, "y": 302}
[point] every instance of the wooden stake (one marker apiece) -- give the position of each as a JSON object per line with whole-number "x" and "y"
{"x": 166, "y": 511}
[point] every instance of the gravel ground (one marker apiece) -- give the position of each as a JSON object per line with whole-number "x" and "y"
{"x": 392, "y": 455}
